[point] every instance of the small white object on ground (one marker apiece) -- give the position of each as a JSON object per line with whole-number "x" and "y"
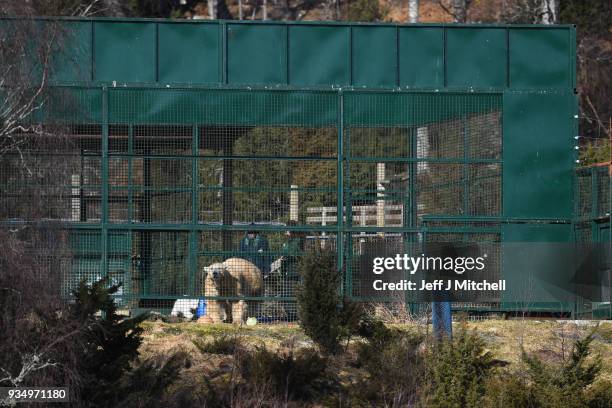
{"x": 251, "y": 321}
{"x": 184, "y": 306}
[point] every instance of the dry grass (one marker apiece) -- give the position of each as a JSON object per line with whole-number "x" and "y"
{"x": 548, "y": 339}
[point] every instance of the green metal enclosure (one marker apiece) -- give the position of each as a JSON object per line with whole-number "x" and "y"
{"x": 182, "y": 136}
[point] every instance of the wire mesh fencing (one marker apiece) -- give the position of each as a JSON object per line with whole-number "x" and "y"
{"x": 181, "y": 194}
{"x": 593, "y": 231}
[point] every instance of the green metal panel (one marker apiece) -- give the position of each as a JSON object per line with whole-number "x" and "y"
{"x": 421, "y": 56}
{"x": 72, "y": 105}
{"x": 411, "y": 109}
{"x": 319, "y": 55}
{"x": 519, "y": 233}
{"x": 538, "y": 155}
{"x": 256, "y": 54}
{"x": 537, "y": 266}
{"x": 73, "y": 62}
{"x": 188, "y": 53}
{"x": 374, "y": 52}
{"x": 125, "y": 52}
{"x": 476, "y": 57}
{"x": 218, "y": 107}
{"x": 539, "y": 58}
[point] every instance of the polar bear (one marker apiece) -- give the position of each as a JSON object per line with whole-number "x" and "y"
{"x": 232, "y": 278}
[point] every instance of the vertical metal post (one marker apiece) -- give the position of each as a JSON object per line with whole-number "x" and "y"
{"x": 104, "y": 199}
{"x": 228, "y": 194}
{"x": 466, "y": 168}
{"x": 340, "y": 187}
{"x": 410, "y": 202}
{"x": 441, "y": 319}
{"x": 83, "y": 204}
{"x": 594, "y": 204}
{"x": 193, "y": 234}
{"x": 130, "y": 209}
{"x": 223, "y": 47}
{"x": 349, "y": 215}
{"x": 147, "y": 239}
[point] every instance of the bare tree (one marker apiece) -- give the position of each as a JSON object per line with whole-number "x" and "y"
{"x": 530, "y": 11}
{"x": 35, "y": 348}
{"x": 212, "y": 9}
{"x": 24, "y": 76}
{"x": 413, "y": 11}
{"x": 549, "y": 11}
{"x": 457, "y": 9}
{"x": 593, "y": 52}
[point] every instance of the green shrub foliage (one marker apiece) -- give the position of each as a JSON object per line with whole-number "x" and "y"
{"x": 290, "y": 375}
{"x": 393, "y": 365}
{"x": 319, "y": 302}
{"x": 566, "y": 383}
{"x": 220, "y": 344}
{"x": 148, "y": 383}
{"x": 457, "y": 370}
{"x": 107, "y": 346}
{"x": 572, "y": 383}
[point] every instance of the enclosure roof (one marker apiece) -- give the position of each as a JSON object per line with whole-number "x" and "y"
{"x": 315, "y": 54}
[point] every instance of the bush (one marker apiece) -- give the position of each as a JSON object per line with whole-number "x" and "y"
{"x": 600, "y": 395}
{"x": 108, "y": 345}
{"x": 571, "y": 383}
{"x": 149, "y": 382}
{"x": 289, "y": 375}
{"x": 394, "y": 368}
{"x": 508, "y": 390}
{"x": 324, "y": 317}
{"x": 457, "y": 370}
{"x": 564, "y": 384}
{"x": 220, "y": 344}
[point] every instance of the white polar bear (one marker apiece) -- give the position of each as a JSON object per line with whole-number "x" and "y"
{"x": 234, "y": 278}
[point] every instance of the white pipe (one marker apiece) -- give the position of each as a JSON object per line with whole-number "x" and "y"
{"x": 380, "y": 203}
{"x": 293, "y": 203}
{"x": 76, "y": 199}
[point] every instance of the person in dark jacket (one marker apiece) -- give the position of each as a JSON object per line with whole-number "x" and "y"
{"x": 254, "y": 248}
{"x": 292, "y": 249}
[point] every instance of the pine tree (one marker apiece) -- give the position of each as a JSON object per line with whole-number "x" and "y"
{"x": 318, "y": 300}
{"x": 565, "y": 384}
{"x": 110, "y": 342}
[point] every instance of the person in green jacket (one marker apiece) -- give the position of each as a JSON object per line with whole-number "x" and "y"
{"x": 292, "y": 249}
